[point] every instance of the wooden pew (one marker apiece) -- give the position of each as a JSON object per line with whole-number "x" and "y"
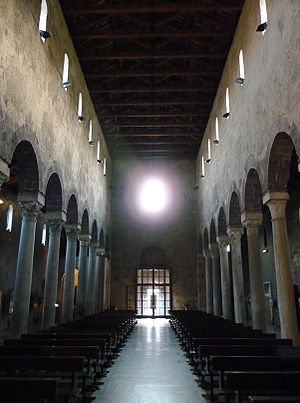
{"x": 68, "y": 368}
{"x": 220, "y": 364}
{"x": 206, "y": 351}
{"x": 274, "y": 399}
{"x": 29, "y": 388}
{"x": 261, "y": 383}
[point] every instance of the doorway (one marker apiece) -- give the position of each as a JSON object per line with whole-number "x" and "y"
{"x": 153, "y": 292}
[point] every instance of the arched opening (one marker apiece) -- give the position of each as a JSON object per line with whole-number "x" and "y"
{"x": 217, "y": 135}
{"x": 283, "y": 177}
{"x": 72, "y": 211}
{"x": 94, "y": 232}
{"x": 65, "y": 75}
{"x": 212, "y": 232}
{"x": 222, "y": 227}
{"x": 54, "y": 194}
{"x": 44, "y": 34}
{"x": 241, "y": 78}
{"x": 80, "y": 107}
{"x": 85, "y": 226}
{"x": 263, "y": 17}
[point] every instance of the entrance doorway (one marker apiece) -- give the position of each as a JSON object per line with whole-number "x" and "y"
{"x": 153, "y": 292}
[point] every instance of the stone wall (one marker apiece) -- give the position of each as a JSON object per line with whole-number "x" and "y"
{"x": 173, "y": 231}
{"x": 38, "y": 117}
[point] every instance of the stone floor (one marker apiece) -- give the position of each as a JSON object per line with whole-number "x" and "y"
{"x": 150, "y": 369}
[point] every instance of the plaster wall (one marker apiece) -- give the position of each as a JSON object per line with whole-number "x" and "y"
{"x": 35, "y": 107}
{"x": 173, "y": 231}
{"x": 267, "y": 103}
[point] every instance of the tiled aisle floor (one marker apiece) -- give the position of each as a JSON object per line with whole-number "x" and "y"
{"x": 151, "y": 369}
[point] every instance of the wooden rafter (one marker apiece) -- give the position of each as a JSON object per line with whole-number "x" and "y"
{"x": 140, "y": 8}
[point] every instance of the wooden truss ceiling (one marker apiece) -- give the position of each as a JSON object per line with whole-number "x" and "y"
{"x": 152, "y": 68}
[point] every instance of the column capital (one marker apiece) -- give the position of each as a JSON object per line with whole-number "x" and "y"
{"x": 84, "y": 238}
{"x": 271, "y": 196}
{"x": 56, "y": 215}
{"x": 276, "y": 201}
{"x": 30, "y": 210}
{"x": 93, "y": 246}
{"x": 223, "y": 241}
{"x": 235, "y": 233}
{"x": 213, "y": 249}
{"x": 252, "y": 220}
{"x": 72, "y": 231}
{"x": 55, "y": 225}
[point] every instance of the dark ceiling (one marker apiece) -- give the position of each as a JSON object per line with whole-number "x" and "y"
{"x": 152, "y": 68}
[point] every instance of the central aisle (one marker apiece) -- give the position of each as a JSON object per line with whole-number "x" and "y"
{"x": 151, "y": 368}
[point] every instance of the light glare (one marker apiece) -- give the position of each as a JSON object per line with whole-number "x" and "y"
{"x": 153, "y": 196}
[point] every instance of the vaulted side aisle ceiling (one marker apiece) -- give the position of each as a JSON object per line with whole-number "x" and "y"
{"x": 152, "y": 68}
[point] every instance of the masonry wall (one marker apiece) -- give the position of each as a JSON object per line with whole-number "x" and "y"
{"x": 267, "y": 104}
{"x": 173, "y": 231}
{"x": 35, "y": 108}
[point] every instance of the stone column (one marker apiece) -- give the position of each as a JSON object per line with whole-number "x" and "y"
{"x": 237, "y": 274}
{"x": 22, "y": 290}
{"x": 98, "y": 270}
{"x": 252, "y": 222}
{"x": 223, "y": 242}
{"x": 70, "y": 264}
{"x": 89, "y": 308}
{"x": 50, "y": 294}
{"x": 208, "y": 282}
{"x": 4, "y": 172}
{"x": 216, "y": 280}
{"x": 276, "y": 201}
{"x": 201, "y": 281}
{"x": 84, "y": 241}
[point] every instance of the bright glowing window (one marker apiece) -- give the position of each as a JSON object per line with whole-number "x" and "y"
{"x": 79, "y": 107}
{"x": 202, "y": 167}
{"x": 263, "y": 17}
{"x": 65, "y": 76}
{"x": 104, "y": 166}
{"x": 98, "y": 152}
{"x": 217, "y": 137}
{"x": 240, "y": 80}
{"x": 90, "y": 136}
{"x": 44, "y": 235}
{"x": 152, "y": 197}
{"x": 9, "y": 218}
{"x": 227, "y": 104}
{"x": 43, "y": 21}
{"x": 208, "y": 159}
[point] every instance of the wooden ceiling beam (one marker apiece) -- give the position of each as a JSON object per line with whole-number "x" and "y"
{"x": 142, "y": 90}
{"x": 152, "y": 115}
{"x": 161, "y": 55}
{"x": 161, "y": 34}
{"x": 140, "y": 8}
{"x": 139, "y": 135}
{"x": 150, "y": 143}
{"x": 151, "y": 125}
{"x": 162, "y": 73}
{"x": 150, "y": 103}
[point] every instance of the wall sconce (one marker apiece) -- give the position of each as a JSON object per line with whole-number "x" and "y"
{"x": 66, "y": 85}
{"x": 240, "y": 80}
{"x": 262, "y": 27}
{"x": 226, "y": 115}
{"x": 44, "y": 34}
{"x": 80, "y": 118}
{"x": 265, "y": 250}
{"x": 1, "y": 201}
{"x": 208, "y": 159}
